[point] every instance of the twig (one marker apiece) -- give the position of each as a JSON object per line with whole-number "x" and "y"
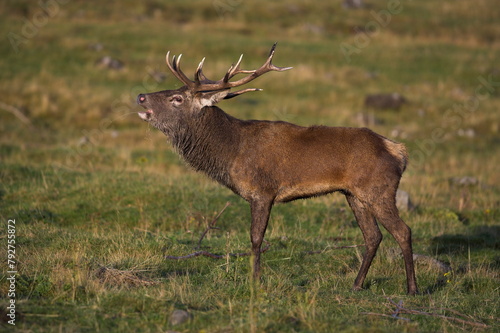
{"x": 459, "y": 320}
{"x": 217, "y": 256}
{"x": 396, "y": 312}
{"x": 384, "y": 315}
{"x": 211, "y": 225}
{"x": 400, "y": 309}
{"x": 16, "y": 112}
{"x": 267, "y": 247}
{"x": 332, "y": 248}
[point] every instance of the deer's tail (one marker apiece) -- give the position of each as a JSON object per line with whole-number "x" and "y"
{"x": 398, "y": 150}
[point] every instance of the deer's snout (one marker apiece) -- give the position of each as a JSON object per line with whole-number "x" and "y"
{"x": 141, "y": 99}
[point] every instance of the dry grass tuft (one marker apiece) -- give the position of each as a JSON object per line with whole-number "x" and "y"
{"x": 117, "y": 278}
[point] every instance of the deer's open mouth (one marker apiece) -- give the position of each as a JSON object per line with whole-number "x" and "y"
{"x": 145, "y": 115}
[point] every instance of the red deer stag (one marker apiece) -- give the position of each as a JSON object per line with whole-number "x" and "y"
{"x": 268, "y": 162}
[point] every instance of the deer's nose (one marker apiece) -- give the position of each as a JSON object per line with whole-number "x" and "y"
{"x": 141, "y": 99}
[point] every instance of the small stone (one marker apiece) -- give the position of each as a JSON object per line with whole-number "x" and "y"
{"x": 403, "y": 201}
{"x": 110, "y": 63}
{"x": 394, "y": 253}
{"x": 398, "y": 133}
{"x": 392, "y": 101}
{"x": 178, "y": 317}
{"x": 463, "y": 181}
{"x": 84, "y": 140}
{"x": 352, "y": 4}
{"x": 157, "y": 75}
{"x": 365, "y": 119}
{"x": 98, "y": 47}
{"x": 432, "y": 262}
{"x": 468, "y": 132}
{"x": 313, "y": 28}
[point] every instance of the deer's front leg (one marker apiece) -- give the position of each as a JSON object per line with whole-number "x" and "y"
{"x": 260, "y": 210}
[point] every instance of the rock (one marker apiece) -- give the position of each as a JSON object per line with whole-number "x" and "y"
{"x": 366, "y": 119}
{"x": 403, "y": 201}
{"x": 398, "y": 133}
{"x": 110, "y": 63}
{"x": 84, "y": 140}
{"x": 432, "y": 262}
{"x": 352, "y": 4}
{"x": 157, "y": 75}
{"x": 98, "y": 47}
{"x": 314, "y": 28}
{"x": 178, "y": 317}
{"x": 394, "y": 253}
{"x": 463, "y": 181}
{"x": 468, "y": 132}
{"x": 392, "y": 101}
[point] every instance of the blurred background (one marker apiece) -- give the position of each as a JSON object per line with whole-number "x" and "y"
{"x": 422, "y": 72}
{"x": 76, "y": 160}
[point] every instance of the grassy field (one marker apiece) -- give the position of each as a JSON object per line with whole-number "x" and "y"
{"x": 99, "y": 198}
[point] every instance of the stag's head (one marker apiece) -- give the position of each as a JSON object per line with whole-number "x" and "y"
{"x": 166, "y": 109}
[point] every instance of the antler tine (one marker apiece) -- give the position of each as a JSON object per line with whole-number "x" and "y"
{"x": 175, "y": 68}
{"x": 167, "y": 59}
{"x": 239, "y": 92}
{"x": 269, "y": 60}
{"x": 199, "y": 76}
{"x": 271, "y": 52}
{"x": 267, "y": 67}
{"x": 177, "y": 62}
{"x": 235, "y": 69}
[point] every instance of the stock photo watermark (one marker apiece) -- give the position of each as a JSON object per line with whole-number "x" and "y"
{"x": 121, "y": 107}
{"x": 11, "y": 271}
{"x": 31, "y": 26}
{"x": 454, "y": 117}
{"x": 225, "y": 7}
{"x": 363, "y": 38}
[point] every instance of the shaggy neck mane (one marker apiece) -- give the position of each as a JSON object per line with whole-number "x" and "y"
{"x": 208, "y": 142}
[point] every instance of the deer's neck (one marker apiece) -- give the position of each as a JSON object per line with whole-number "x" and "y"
{"x": 209, "y": 143}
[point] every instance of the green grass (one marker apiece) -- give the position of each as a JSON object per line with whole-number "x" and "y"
{"x": 99, "y": 198}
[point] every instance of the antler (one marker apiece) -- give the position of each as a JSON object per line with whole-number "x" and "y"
{"x": 202, "y": 84}
{"x": 175, "y": 68}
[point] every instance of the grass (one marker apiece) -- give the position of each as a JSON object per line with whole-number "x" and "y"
{"x": 99, "y": 198}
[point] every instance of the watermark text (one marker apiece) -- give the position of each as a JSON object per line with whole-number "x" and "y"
{"x": 11, "y": 271}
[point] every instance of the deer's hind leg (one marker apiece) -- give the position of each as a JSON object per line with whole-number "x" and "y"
{"x": 371, "y": 234}
{"x": 386, "y": 213}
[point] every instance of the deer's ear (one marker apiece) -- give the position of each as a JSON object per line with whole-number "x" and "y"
{"x": 211, "y": 98}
